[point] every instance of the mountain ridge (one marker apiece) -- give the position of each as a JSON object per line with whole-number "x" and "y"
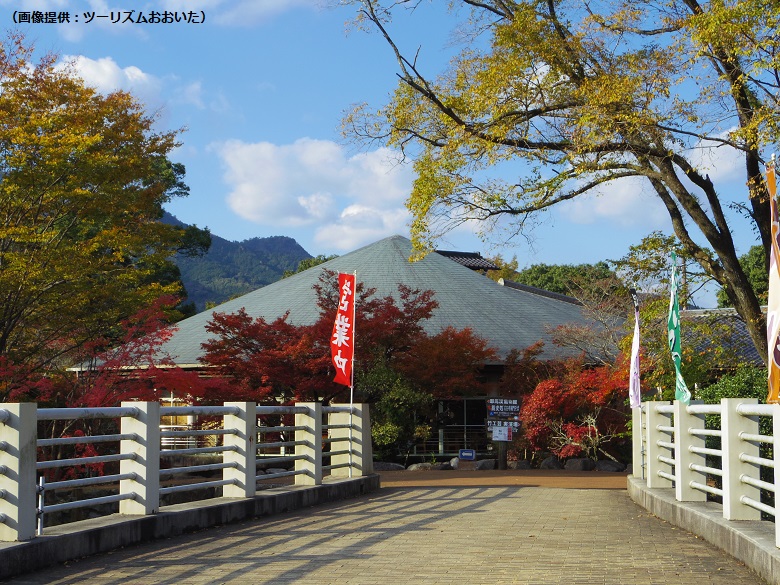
{"x": 233, "y": 268}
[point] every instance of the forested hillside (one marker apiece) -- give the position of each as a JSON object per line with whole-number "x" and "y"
{"x": 230, "y": 268}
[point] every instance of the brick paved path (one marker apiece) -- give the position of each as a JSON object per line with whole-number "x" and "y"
{"x": 447, "y": 535}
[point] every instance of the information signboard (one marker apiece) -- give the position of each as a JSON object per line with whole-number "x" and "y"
{"x": 503, "y": 408}
{"x": 502, "y": 433}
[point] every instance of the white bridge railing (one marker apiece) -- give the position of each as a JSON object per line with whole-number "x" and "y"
{"x": 712, "y": 452}
{"x": 323, "y": 440}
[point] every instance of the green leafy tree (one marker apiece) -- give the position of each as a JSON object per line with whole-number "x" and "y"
{"x": 754, "y": 265}
{"x": 83, "y": 178}
{"x": 307, "y": 263}
{"x": 565, "y": 279}
{"x": 564, "y": 97}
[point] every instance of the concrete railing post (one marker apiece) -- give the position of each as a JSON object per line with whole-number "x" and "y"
{"x": 638, "y": 451}
{"x": 311, "y": 462}
{"x": 684, "y": 458}
{"x": 145, "y": 464}
{"x": 776, "y": 456}
{"x": 244, "y": 453}
{"x": 652, "y": 449}
{"x": 362, "y": 455}
{"x": 18, "y": 450}
{"x": 732, "y": 424}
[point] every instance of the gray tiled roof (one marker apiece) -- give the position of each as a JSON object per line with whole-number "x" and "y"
{"x": 508, "y": 317}
{"x": 473, "y": 260}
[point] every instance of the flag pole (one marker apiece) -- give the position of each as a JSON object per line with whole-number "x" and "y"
{"x": 352, "y": 374}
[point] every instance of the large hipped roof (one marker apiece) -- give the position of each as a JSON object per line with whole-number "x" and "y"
{"x": 507, "y": 317}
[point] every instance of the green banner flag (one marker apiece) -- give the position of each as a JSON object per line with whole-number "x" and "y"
{"x": 681, "y": 391}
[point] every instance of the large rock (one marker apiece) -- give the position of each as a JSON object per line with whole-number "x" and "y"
{"x": 485, "y": 465}
{"x": 518, "y": 464}
{"x": 454, "y": 462}
{"x": 445, "y": 466}
{"x": 387, "y": 466}
{"x": 551, "y": 462}
{"x": 609, "y": 465}
{"x": 580, "y": 464}
{"x": 420, "y": 467}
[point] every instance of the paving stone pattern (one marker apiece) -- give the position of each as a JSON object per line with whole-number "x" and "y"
{"x": 399, "y": 536}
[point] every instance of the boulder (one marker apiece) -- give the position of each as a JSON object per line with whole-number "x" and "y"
{"x": 442, "y": 466}
{"x": 485, "y": 465}
{"x": 420, "y": 467}
{"x": 454, "y": 462}
{"x": 518, "y": 464}
{"x": 551, "y": 462}
{"x": 609, "y": 465}
{"x": 580, "y": 464}
{"x": 387, "y": 466}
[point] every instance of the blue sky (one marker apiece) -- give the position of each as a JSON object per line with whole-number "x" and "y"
{"x": 261, "y": 88}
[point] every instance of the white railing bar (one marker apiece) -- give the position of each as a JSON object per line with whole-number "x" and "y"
{"x": 198, "y": 410}
{"x": 3, "y": 518}
{"x": 764, "y": 485}
{"x": 197, "y": 468}
{"x": 705, "y": 451}
{"x": 83, "y": 461}
{"x": 3, "y": 469}
{"x": 705, "y": 432}
{"x": 667, "y": 460}
{"x": 74, "y": 413}
{"x": 344, "y": 426}
{"x": 668, "y": 476}
{"x": 664, "y": 408}
{"x": 280, "y": 474}
{"x": 4, "y": 415}
{"x": 3, "y": 445}
{"x": 85, "y": 481}
{"x": 755, "y": 409}
{"x": 197, "y": 433}
{"x": 195, "y": 486}
{"x": 196, "y": 451}
{"x": 86, "y": 439}
{"x": 285, "y": 459}
{"x": 331, "y": 467}
{"x": 756, "y": 438}
{"x": 89, "y": 502}
{"x": 281, "y": 444}
{"x": 666, "y": 444}
{"x": 705, "y": 469}
{"x": 704, "y": 409}
{"x": 334, "y": 453}
{"x": 757, "y": 505}
{"x": 706, "y": 488}
{"x": 665, "y": 429}
{"x": 261, "y": 410}
{"x": 329, "y": 409}
{"x": 757, "y": 460}
{"x": 264, "y": 430}
{"x": 329, "y": 440}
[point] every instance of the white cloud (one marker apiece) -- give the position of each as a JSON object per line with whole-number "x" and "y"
{"x": 106, "y": 75}
{"x": 347, "y": 200}
{"x": 627, "y": 202}
{"x": 240, "y": 13}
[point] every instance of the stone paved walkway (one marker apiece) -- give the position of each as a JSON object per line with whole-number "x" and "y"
{"x": 491, "y": 534}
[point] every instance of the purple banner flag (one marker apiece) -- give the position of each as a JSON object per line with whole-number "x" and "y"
{"x": 634, "y": 384}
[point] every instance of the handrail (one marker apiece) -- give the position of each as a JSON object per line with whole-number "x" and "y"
{"x": 220, "y": 461}
{"x": 724, "y": 456}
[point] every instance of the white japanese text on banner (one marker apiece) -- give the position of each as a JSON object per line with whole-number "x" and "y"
{"x": 342, "y": 341}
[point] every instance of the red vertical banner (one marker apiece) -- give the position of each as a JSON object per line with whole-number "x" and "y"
{"x": 342, "y": 341}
